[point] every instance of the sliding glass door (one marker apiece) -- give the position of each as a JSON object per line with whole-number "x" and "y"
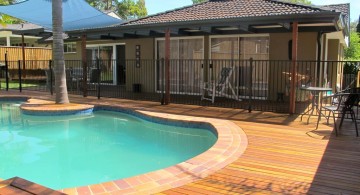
{"x": 235, "y": 52}
{"x": 104, "y": 54}
{"x": 185, "y": 65}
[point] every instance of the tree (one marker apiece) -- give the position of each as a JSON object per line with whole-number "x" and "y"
{"x": 306, "y": 2}
{"x": 353, "y": 51}
{"x": 198, "y": 1}
{"x": 6, "y": 19}
{"x": 358, "y": 26}
{"x": 103, "y": 5}
{"x": 353, "y": 25}
{"x": 126, "y": 9}
{"x": 58, "y": 53}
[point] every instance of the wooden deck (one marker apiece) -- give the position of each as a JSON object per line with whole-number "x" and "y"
{"x": 284, "y": 155}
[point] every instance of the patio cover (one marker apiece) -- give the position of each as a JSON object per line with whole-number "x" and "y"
{"x": 77, "y": 14}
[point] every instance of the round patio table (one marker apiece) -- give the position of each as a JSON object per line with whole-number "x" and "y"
{"x": 316, "y": 100}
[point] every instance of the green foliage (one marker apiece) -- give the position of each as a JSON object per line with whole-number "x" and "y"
{"x": 351, "y": 68}
{"x": 353, "y": 51}
{"x": 6, "y": 2}
{"x": 198, "y": 1}
{"x": 126, "y": 9}
{"x": 6, "y": 19}
{"x": 103, "y": 5}
{"x": 129, "y": 9}
{"x": 306, "y": 2}
{"x": 353, "y": 25}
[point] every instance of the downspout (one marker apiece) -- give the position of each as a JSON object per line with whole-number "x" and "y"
{"x": 295, "y": 37}
{"x": 317, "y": 81}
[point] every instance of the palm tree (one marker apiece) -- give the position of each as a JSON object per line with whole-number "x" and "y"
{"x": 58, "y": 53}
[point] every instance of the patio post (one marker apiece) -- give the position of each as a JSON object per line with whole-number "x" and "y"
{"x": 6, "y": 71}
{"x": 84, "y": 63}
{"x": 293, "y": 67}
{"x": 19, "y": 74}
{"x": 167, "y": 66}
{"x": 250, "y": 84}
{"x": 51, "y": 77}
{"x": 23, "y": 52}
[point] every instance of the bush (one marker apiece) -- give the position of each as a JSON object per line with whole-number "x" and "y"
{"x": 351, "y": 68}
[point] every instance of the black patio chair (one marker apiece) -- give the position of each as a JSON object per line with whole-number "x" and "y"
{"x": 345, "y": 104}
{"x": 95, "y": 78}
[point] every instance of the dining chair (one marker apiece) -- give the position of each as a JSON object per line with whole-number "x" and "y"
{"x": 345, "y": 104}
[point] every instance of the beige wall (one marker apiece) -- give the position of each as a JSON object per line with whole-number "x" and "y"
{"x": 74, "y": 56}
{"x": 279, "y": 50}
{"x": 147, "y": 48}
{"x": 307, "y": 45}
{"x": 333, "y": 49}
{"x": 335, "y": 53}
{"x": 145, "y": 75}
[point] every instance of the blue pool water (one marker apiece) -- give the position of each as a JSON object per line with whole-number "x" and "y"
{"x": 68, "y": 151}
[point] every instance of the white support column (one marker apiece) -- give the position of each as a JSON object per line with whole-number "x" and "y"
{"x": 8, "y": 41}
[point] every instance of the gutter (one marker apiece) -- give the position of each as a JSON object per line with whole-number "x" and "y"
{"x": 254, "y": 20}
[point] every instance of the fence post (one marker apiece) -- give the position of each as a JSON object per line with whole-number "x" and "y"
{"x": 19, "y": 72}
{"x": 6, "y": 72}
{"x": 250, "y": 84}
{"x": 99, "y": 77}
{"x": 85, "y": 71}
{"x": 51, "y": 77}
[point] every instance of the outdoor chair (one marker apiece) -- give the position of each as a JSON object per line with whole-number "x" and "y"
{"x": 219, "y": 87}
{"x": 50, "y": 79}
{"x": 69, "y": 78}
{"x": 94, "y": 78}
{"x": 344, "y": 105}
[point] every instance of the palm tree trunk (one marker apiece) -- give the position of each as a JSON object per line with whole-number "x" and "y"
{"x": 58, "y": 54}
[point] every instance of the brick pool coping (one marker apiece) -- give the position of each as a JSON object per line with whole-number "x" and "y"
{"x": 231, "y": 144}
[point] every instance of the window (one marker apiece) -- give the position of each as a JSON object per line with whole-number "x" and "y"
{"x": 234, "y": 51}
{"x": 240, "y": 48}
{"x": 182, "y": 49}
{"x": 185, "y": 64}
{"x": 69, "y": 47}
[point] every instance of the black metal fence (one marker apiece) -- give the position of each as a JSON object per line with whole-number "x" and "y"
{"x": 246, "y": 84}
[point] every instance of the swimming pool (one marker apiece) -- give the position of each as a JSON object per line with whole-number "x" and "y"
{"x": 67, "y": 151}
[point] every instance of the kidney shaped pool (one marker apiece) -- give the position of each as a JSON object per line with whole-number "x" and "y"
{"x": 76, "y": 150}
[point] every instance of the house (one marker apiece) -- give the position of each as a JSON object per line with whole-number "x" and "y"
{"x": 14, "y": 36}
{"x": 11, "y": 35}
{"x": 221, "y": 32}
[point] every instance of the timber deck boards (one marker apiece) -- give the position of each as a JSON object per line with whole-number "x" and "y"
{"x": 284, "y": 155}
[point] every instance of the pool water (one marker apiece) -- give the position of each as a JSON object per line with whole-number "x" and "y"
{"x": 76, "y": 150}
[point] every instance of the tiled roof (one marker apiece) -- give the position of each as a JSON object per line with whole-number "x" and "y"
{"x": 221, "y": 9}
{"x": 343, "y": 8}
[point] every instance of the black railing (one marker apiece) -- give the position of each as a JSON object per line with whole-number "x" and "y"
{"x": 247, "y": 84}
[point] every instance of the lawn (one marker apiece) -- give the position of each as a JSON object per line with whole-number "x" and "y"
{"x": 15, "y": 85}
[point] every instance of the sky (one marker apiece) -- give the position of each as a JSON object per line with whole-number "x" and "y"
{"x": 156, "y": 6}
